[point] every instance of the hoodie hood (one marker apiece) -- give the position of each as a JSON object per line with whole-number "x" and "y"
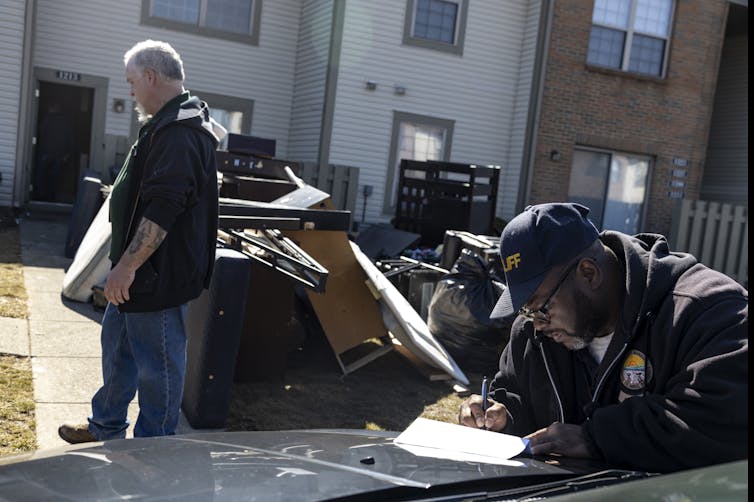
{"x": 189, "y": 110}
{"x": 652, "y": 271}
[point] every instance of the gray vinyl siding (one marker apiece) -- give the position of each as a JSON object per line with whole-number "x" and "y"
{"x": 309, "y": 79}
{"x": 12, "y": 14}
{"x": 91, "y": 36}
{"x": 726, "y": 171}
{"x": 478, "y": 90}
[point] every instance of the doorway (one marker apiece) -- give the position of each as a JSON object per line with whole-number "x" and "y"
{"x": 62, "y": 141}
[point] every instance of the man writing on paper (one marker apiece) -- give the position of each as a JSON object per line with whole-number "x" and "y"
{"x": 622, "y": 350}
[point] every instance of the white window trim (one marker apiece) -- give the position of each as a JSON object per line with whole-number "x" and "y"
{"x": 252, "y": 38}
{"x": 626, "y": 59}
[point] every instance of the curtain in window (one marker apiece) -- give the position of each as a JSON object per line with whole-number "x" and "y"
{"x": 230, "y": 120}
{"x": 417, "y": 142}
{"x": 625, "y": 194}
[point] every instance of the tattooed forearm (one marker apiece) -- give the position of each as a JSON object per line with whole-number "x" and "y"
{"x": 148, "y": 237}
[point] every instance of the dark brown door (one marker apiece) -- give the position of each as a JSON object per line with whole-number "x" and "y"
{"x": 63, "y": 135}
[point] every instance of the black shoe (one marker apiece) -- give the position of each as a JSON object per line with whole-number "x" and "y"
{"x": 76, "y": 433}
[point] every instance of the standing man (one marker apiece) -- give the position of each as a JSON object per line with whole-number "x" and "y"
{"x": 163, "y": 212}
{"x": 622, "y": 350}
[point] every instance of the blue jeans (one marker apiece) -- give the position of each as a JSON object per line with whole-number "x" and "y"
{"x": 144, "y": 351}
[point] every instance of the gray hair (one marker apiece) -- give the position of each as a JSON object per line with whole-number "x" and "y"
{"x": 157, "y": 56}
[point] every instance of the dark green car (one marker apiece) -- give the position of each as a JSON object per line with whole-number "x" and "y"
{"x": 343, "y": 465}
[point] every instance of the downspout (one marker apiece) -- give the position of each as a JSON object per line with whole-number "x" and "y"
{"x": 21, "y": 175}
{"x": 535, "y": 104}
{"x": 331, "y": 82}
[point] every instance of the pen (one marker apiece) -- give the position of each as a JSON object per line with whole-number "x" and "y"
{"x": 485, "y": 392}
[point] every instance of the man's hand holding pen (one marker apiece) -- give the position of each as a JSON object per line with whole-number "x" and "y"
{"x": 485, "y": 397}
{"x": 472, "y": 414}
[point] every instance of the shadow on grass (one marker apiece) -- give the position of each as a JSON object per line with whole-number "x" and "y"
{"x": 385, "y": 394}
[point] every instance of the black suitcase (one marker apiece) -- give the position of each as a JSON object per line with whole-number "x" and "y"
{"x": 214, "y": 322}
{"x": 88, "y": 201}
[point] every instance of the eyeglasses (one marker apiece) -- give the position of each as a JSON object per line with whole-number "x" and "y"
{"x": 542, "y": 314}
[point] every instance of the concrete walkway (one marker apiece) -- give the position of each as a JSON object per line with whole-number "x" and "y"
{"x": 61, "y": 336}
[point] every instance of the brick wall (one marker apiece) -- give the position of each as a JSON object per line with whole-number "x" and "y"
{"x": 663, "y": 118}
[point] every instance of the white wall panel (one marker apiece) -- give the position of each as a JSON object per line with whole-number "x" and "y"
{"x": 479, "y": 90}
{"x": 310, "y": 79}
{"x": 90, "y": 36}
{"x": 485, "y": 90}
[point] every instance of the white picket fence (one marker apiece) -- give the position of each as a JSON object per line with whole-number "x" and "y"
{"x": 716, "y": 234}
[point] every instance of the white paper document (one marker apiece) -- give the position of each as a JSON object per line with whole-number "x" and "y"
{"x": 431, "y": 438}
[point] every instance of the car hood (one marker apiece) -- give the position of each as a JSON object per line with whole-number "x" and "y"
{"x": 264, "y": 465}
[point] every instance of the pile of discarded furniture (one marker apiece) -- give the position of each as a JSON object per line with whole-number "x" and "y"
{"x": 279, "y": 237}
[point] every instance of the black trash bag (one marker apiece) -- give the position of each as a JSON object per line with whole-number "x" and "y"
{"x": 459, "y": 315}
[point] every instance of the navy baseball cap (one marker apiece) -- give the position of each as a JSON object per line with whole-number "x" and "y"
{"x": 535, "y": 241}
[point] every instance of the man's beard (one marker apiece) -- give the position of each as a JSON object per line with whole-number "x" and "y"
{"x": 141, "y": 114}
{"x": 577, "y": 344}
{"x": 591, "y": 322}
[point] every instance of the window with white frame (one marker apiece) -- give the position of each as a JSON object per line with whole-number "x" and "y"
{"x": 231, "y": 19}
{"x": 436, "y": 24}
{"x": 613, "y": 185}
{"x": 415, "y": 137}
{"x": 631, "y": 35}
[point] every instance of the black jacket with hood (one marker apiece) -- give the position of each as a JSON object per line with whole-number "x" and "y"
{"x": 672, "y": 389}
{"x": 170, "y": 178}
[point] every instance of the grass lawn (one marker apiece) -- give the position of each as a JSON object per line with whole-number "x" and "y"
{"x": 385, "y": 394}
{"x": 17, "y": 426}
{"x": 12, "y": 291}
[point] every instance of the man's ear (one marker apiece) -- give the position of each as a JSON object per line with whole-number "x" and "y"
{"x": 150, "y": 75}
{"x": 591, "y": 272}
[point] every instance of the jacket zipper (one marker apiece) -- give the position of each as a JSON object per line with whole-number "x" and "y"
{"x": 604, "y": 376}
{"x": 138, "y": 191}
{"x": 552, "y": 382}
{"x": 598, "y": 388}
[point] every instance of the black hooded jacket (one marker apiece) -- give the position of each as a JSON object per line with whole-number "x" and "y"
{"x": 672, "y": 389}
{"x": 170, "y": 178}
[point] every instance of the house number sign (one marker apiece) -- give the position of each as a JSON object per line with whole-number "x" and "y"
{"x": 68, "y": 75}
